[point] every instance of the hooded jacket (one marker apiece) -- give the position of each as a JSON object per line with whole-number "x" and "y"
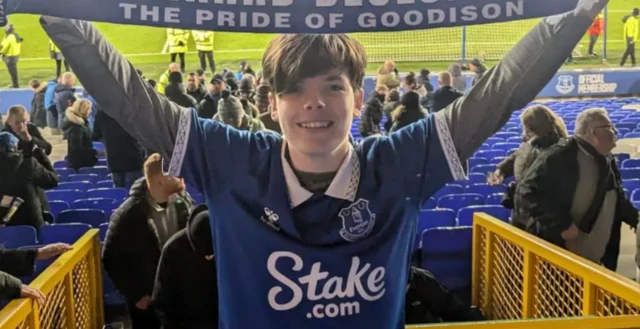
{"x": 208, "y": 107}
{"x": 79, "y": 141}
{"x": 132, "y": 247}
{"x": 457, "y": 79}
{"x": 20, "y": 176}
{"x": 49, "y": 95}
{"x": 185, "y": 293}
{"x": 63, "y": 96}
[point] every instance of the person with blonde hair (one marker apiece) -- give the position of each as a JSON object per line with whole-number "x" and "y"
{"x": 76, "y": 127}
{"x": 388, "y": 75}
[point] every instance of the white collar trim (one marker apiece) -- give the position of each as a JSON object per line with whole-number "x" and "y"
{"x": 343, "y": 186}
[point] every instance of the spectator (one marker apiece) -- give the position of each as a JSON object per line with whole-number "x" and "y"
{"x": 50, "y": 105}
{"x": 11, "y": 288}
{"x": 156, "y": 209}
{"x": 10, "y": 49}
{"x": 443, "y": 96}
{"x": 247, "y": 87}
{"x": 262, "y": 101}
{"x": 178, "y": 40}
{"x": 594, "y": 32}
{"x": 56, "y": 55}
{"x": 208, "y": 107}
{"x": 38, "y": 111}
{"x": 457, "y": 79}
{"x": 185, "y": 293}
{"x": 125, "y": 155}
{"x": 64, "y": 95}
{"x": 232, "y": 85}
{"x": 261, "y": 98}
{"x": 428, "y": 301}
{"x": 585, "y": 211}
{"x": 630, "y": 36}
{"x": 21, "y": 175}
{"x": 369, "y": 124}
{"x": 408, "y": 112}
{"x": 194, "y": 88}
{"x": 202, "y": 77}
{"x": 380, "y": 93}
{"x": 252, "y": 111}
{"x": 388, "y": 75}
{"x": 424, "y": 79}
{"x": 478, "y": 68}
{"x": 161, "y": 84}
{"x": 245, "y": 69}
{"x": 176, "y": 93}
{"x": 29, "y": 135}
{"x": 204, "y": 46}
{"x": 231, "y": 112}
{"x": 392, "y": 101}
{"x": 79, "y": 138}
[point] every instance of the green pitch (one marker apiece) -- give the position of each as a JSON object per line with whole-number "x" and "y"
{"x": 143, "y": 45}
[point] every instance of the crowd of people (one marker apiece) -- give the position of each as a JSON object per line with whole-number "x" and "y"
{"x": 283, "y": 179}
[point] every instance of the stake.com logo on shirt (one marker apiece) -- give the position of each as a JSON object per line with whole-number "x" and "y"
{"x": 336, "y": 296}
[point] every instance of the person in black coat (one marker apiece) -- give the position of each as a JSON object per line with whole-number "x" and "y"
{"x": 38, "y": 111}
{"x": 208, "y": 107}
{"x": 176, "y": 93}
{"x": 444, "y": 96}
{"x": 194, "y": 88}
{"x": 408, "y": 112}
{"x": 391, "y": 102}
{"x": 186, "y": 292}
{"x": 125, "y": 155}
{"x": 79, "y": 138}
{"x": 156, "y": 209}
{"x": 28, "y": 134}
{"x": 64, "y": 95}
{"x": 369, "y": 124}
{"x": 21, "y": 175}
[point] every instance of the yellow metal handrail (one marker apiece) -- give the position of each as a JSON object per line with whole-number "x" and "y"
{"x": 73, "y": 287}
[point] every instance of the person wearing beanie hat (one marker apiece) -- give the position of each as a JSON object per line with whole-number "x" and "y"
{"x": 185, "y": 293}
{"x": 408, "y": 112}
{"x": 208, "y": 106}
{"x": 231, "y": 112}
{"x": 261, "y": 98}
{"x": 247, "y": 87}
{"x": 21, "y": 176}
{"x": 232, "y": 85}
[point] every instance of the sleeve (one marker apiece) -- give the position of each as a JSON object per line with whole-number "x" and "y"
{"x": 518, "y": 78}
{"x": 122, "y": 94}
{"x": 97, "y": 127}
{"x": 506, "y": 166}
{"x": 10, "y": 286}
{"x": 42, "y": 176}
{"x": 628, "y": 213}
{"x": 39, "y": 140}
{"x": 17, "y": 262}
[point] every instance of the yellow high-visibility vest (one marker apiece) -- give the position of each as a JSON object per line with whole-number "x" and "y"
{"x": 178, "y": 39}
{"x": 10, "y": 46}
{"x": 204, "y": 40}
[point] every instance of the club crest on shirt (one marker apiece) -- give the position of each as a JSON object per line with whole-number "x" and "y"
{"x": 270, "y": 218}
{"x": 357, "y": 220}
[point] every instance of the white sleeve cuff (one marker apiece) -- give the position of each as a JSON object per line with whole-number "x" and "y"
{"x": 448, "y": 147}
{"x": 182, "y": 139}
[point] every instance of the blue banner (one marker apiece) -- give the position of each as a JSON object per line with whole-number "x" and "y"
{"x": 292, "y": 16}
{"x": 593, "y": 83}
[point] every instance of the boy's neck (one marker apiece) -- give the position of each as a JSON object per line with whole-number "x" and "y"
{"x": 321, "y": 163}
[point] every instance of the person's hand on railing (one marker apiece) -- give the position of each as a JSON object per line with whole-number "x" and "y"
{"x": 29, "y": 292}
{"x": 52, "y": 250}
{"x": 143, "y": 303}
{"x": 571, "y": 233}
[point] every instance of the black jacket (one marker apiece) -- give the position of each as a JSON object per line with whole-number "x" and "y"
{"x": 124, "y": 153}
{"x": 198, "y": 93}
{"x": 132, "y": 249}
{"x": 21, "y": 176}
{"x": 441, "y": 98}
{"x": 208, "y": 107}
{"x": 546, "y": 214}
{"x": 185, "y": 294}
{"x": 388, "y": 109}
{"x": 38, "y": 112}
{"x": 63, "y": 97}
{"x": 427, "y": 301}
{"x": 36, "y": 139}
{"x": 269, "y": 124}
{"x": 79, "y": 142}
{"x": 175, "y": 92}
{"x": 518, "y": 163}
{"x": 479, "y": 74}
{"x": 17, "y": 262}
{"x": 10, "y": 286}
{"x": 408, "y": 118}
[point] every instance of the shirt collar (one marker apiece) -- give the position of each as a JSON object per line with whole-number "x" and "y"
{"x": 343, "y": 186}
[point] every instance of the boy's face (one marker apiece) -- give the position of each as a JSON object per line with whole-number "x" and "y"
{"x": 316, "y": 116}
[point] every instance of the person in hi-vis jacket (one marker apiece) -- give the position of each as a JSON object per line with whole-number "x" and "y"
{"x": 204, "y": 46}
{"x": 295, "y": 196}
{"x": 177, "y": 40}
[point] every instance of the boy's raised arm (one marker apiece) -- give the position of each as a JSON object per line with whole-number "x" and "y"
{"x": 122, "y": 94}
{"x": 518, "y": 78}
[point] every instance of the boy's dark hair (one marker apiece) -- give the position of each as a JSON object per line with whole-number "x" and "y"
{"x": 291, "y": 58}
{"x": 410, "y": 79}
{"x": 34, "y": 83}
{"x": 175, "y": 77}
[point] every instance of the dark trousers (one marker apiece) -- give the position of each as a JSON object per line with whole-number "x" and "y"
{"x": 173, "y": 59}
{"x": 59, "y": 66}
{"x": 630, "y": 52}
{"x": 209, "y": 55}
{"x": 592, "y": 42}
{"x": 12, "y": 67}
{"x": 143, "y": 319}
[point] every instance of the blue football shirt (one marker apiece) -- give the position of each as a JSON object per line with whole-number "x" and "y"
{"x": 289, "y": 258}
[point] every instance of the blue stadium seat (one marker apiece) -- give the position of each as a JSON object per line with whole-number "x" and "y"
{"x": 477, "y": 178}
{"x": 40, "y": 265}
{"x": 102, "y": 162}
{"x": 447, "y": 253}
{"x": 494, "y": 199}
{"x": 485, "y": 189}
{"x": 505, "y": 146}
{"x": 515, "y": 139}
{"x": 465, "y": 215}
{"x": 92, "y": 178}
{"x": 631, "y": 163}
{"x": 60, "y": 164}
{"x": 633, "y": 195}
{"x": 631, "y": 184}
{"x": 104, "y": 184}
{"x": 630, "y": 173}
{"x": 18, "y": 236}
{"x": 448, "y": 189}
{"x": 484, "y": 147}
{"x": 497, "y": 160}
{"x": 104, "y": 227}
{"x": 430, "y": 204}
{"x": 433, "y": 218}
{"x": 456, "y": 202}
{"x": 99, "y": 171}
{"x": 472, "y": 162}
{"x": 484, "y": 169}
{"x": 66, "y": 233}
{"x": 67, "y": 196}
{"x": 493, "y": 140}
{"x": 80, "y": 186}
{"x": 621, "y": 157}
{"x": 505, "y": 136}
{"x": 98, "y": 146}
{"x": 65, "y": 171}
{"x": 629, "y": 125}
{"x": 57, "y": 206}
{"x": 490, "y": 154}
{"x": 116, "y": 193}
{"x": 93, "y": 217}
{"x": 107, "y": 205}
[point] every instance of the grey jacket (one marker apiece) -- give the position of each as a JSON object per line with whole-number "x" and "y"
{"x": 150, "y": 118}
{"x": 10, "y": 286}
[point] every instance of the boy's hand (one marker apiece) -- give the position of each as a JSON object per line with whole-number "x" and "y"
{"x": 29, "y": 292}
{"x": 52, "y": 250}
{"x": 161, "y": 186}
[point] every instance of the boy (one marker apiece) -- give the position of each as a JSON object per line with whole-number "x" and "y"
{"x": 308, "y": 231}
